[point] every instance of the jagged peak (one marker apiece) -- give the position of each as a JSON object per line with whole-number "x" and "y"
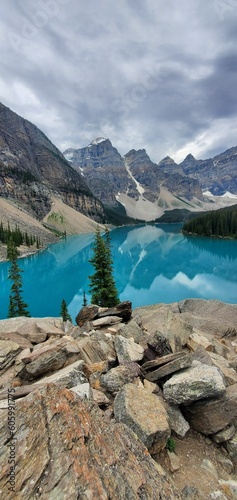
{"x": 167, "y": 159}
{"x": 96, "y": 141}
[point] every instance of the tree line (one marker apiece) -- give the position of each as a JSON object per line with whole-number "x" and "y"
{"x": 222, "y": 223}
{"x": 17, "y": 237}
{"x": 102, "y": 284}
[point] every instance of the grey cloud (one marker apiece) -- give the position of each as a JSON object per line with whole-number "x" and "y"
{"x": 143, "y": 72}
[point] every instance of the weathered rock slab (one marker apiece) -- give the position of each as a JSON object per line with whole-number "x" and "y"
{"x": 177, "y": 422}
{"x": 55, "y": 455}
{"x": 183, "y": 361}
{"x": 117, "y": 377}
{"x": 213, "y": 415}
{"x": 194, "y": 383}
{"x": 132, "y": 404}
{"x": 224, "y": 435}
{"x": 8, "y": 353}
{"x": 127, "y": 350}
{"x": 97, "y": 348}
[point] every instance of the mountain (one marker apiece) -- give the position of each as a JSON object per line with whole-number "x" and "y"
{"x": 217, "y": 175}
{"x": 103, "y": 168}
{"x": 33, "y": 171}
{"x": 144, "y": 188}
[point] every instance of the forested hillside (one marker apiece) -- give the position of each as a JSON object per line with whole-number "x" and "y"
{"x": 221, "y": 223}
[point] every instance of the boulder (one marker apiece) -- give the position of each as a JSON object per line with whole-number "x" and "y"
{"x": 8, "y": 353}
{"x": 122, "y": 310}
{"x": 177, "y": 422}
{"x": 232, "y": 448}
{"x": 45, "y": 360}
{"x": 127, "y": 350}
{"x": 87, "y": 313}
{"x": 131, "y": 330}
{"x": 101, "y": 367}
{"x": 68, "y": 449}
{"x": 159, "y": 344}
{"x": 174, "y": 461}
{"x": 229, "y": 488}
{"x": 209, "y": 467}
{"x": 213, "y": 415}
{"x": 97, "y": 348}
{"x": 108, "y": 320}
{"x": 100, "y": 398}
{"x": 229, "y": 374}
{"x": 145, "y": 414}
{"x": 167, "y": 365}
{"x": 117, "y": 377}
{"x": 35, "y": 330}
{"x": 196, "y": 340}
{"x": 197, "y": 382}
{"x": 224, "y": 435}
{"x": 82, "y": 390}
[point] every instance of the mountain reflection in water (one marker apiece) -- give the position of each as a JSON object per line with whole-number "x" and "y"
{"x": 152, "y": 263}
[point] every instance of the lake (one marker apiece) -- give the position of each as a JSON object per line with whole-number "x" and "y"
{"x": 152, "y": 263}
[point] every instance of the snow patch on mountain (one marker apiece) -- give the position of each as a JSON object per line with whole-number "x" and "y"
{"x": 96, "y": 141}
{"x": 139, "y": 187}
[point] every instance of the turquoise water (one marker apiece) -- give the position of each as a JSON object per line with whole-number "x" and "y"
{"x": 152, "y": 263}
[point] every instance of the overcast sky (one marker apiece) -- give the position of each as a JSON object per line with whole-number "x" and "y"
{"x": 153, "y": 74}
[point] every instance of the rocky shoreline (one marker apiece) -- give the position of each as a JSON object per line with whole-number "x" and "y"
{"x": 125, "y": 405}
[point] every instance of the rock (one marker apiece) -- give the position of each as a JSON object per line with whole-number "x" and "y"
{"x": 97, "y": 348}
{"x": 150, "y": 387}
{"x": 100, "y": 398}
{"x": 224, "y": 435}
{"x": 232, "y": 448}
{"x": 158, "y": 343}
{"x": 35, "y": 330}
{"x": 82, "y": 390}
{"x": 109, "y": 320}
{"x": 117, "y": 377}
{"x": 197, "y": 382}
{"x": 213, "y": 415}
{"x": 45, "y": 360}
{"x": 122, "y": 310}
{"x": 67, "y": 448}
{"x": 180, "y": 360}
{"x": 210, "y": 316}
{"x": 17, "y": 338}
{"x": 145, "y": 414}
{"x": 131, "y": 330}
{"x": 174, "y": 461}
{"x": 127, "y": 350}
{"x": 201, "y": 355}
{"x": 226, "y": 464}
{"x": 8, "y": 353}
{"x": 177, "y": 422}
{"x": 228, "y": 373}
{"x": 229, "y": 488}
{"x": 196, "y": 340}
{"x": 190, "y": 493}
{"x": 208, "y": 466}
{"x": 101, "y": 367}
{"x": 68, "y": 376}
{"x": 217, "y": 495}
{"x": 87, "y": 313}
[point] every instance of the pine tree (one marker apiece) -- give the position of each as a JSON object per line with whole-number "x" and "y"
{"x": 64, "y": 311}
{"x": 17, "y": 306}
{"x": 84, "y": 303}
{"x": 102, "y": 284}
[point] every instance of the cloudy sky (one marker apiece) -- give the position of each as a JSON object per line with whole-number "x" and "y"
{"x": 153, "y": 74}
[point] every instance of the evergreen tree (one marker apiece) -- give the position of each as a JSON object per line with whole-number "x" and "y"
{"x": 17, "y": 306}
{"x": 64, "y": 311}
{"x": 102, "y": 284}
{"x": 84, "y": 303}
